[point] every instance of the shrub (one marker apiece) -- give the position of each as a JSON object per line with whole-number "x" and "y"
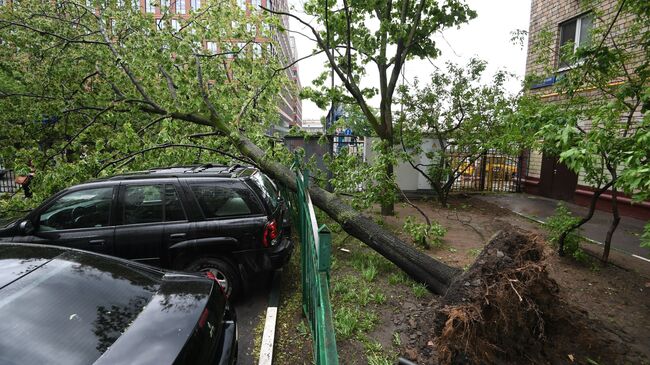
{"x": 425, "y": 235}
{"x": 558, "y": 223}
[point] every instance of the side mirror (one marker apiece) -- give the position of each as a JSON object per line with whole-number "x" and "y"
{"x": 26, "y": 227}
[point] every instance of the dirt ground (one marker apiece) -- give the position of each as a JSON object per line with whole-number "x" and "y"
{"x": 616, "y": 296}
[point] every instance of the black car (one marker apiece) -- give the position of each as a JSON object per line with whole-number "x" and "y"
{"x": 68, "y": 307}
{"x": 231, "y": 221}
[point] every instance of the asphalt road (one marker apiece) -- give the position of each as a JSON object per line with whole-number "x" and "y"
{"x": 251, "y": 312}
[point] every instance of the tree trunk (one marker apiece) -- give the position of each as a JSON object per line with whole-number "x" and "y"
{"x": 422, "y": 268}
{"x": 612, "y": 227}
{"x": 585, "y": 219}
{"x": 388, "y": 207}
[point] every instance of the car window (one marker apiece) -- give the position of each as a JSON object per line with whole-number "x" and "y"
{"x": 224, "y": 201}
{"x": 78, "y": 209}
{"x": 143, "y": 204}
{"x": 268, "y": 188}
{"x": 173, "y": 207}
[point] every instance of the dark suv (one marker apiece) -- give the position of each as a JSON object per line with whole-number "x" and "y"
{"x": 231, "y": 221}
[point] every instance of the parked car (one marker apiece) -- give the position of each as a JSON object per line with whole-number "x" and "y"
{"x": 231, "y": 221}
{"x": 68, "y": 307}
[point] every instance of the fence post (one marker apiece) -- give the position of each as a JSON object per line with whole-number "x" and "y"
{"x": 324, "y": 250}
{"x": 481, "y": 185}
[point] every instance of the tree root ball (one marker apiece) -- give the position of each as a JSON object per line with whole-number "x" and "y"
{"x": 506, "y": 310}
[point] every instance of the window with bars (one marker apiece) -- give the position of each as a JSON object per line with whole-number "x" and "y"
{"x": 150, "y": 6}
{"x": 574, "y": 33}
{"x": 180, "y": 7}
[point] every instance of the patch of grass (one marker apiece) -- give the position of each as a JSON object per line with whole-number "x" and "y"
{"x": 397, "y": 340}
{"x": 419, "y": 290}
{"x": 474, "y": 252}
{"x": 353, "y": 321}
{"x": 397, "y": 278}
{"x": 369, "y": 273}
{"x": 364, "y": 296}
{"x": 375, "y": 354}
{"x": 302, "y": 329}
{"x": 378, "y": 298}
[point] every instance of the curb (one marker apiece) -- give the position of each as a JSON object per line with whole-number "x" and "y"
{"x": 268, "y": 336}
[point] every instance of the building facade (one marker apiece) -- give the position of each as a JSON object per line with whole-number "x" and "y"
{"x": 568, "y": 22}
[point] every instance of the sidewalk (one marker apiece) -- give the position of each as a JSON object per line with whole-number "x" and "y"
{"x": 626, "y": 238}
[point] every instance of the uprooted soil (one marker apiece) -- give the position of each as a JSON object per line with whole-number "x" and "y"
{"x": 507, "y": 310}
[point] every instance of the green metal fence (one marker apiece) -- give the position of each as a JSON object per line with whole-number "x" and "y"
{"x": 315, "y": 260}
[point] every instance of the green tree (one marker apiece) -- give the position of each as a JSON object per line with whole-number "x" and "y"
{"x": 125, "y": 90}
{"x": 599, "y": 126}
{"x": 361, "y": 37}
{"x": 465, "y": 118}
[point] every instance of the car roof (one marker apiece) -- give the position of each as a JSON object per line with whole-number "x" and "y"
{"x": 204, "y": 170}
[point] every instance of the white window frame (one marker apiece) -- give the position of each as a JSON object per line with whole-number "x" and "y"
{"x": 180, "y": 7}
{"x": 195, "y": 4}
{"x": 255, "y": 4}
{"x": 257, "y": 50}
{"x": 242, "y": 4}
{"x": 175, "y": 25}
{"x": 576, "y": 39}
{"x": 211, "y": 47}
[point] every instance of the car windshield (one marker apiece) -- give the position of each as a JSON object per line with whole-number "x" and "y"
{"x": 269, "y": 190}
{"x": 69, "y": 311}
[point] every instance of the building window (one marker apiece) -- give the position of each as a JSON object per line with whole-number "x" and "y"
{"x": 164, "y": 4}
{"x": 256, "y": 4}
{"x": 211, "y": 47}
{"x": 150, "y": 6}
{"x": 257, "y": 50}
{"x": 180, "y": 7}
{"x": 242, "y": 4}
{"x": 195, "y": 4}
{"x": 176, "y": 26}
{"x": 573, "y": 34}
{"x": 160, "y": 23}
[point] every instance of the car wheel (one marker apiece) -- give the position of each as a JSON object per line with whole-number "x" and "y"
{"x": 226, "y": 274}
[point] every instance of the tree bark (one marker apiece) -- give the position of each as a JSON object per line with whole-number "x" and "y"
{"x": 434, "y": 274}
{"x": 585, "y": 219}
{"x": 388, "y": 207}
{"x": 612, "y": 227}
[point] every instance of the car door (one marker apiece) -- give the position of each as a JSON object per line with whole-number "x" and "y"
{"x": 232, "y": 217}
{"x": 140, "y": 228}
{"x": 79, "y": 219}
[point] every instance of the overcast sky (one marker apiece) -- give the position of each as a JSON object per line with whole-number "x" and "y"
{"x": 486, "y": 37}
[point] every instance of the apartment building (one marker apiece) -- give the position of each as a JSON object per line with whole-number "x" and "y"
{"x": 289, "y": 105}
{"x": 568, "y": 22}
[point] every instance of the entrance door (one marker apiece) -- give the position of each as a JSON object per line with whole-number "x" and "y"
{"x": 557, "y": 181}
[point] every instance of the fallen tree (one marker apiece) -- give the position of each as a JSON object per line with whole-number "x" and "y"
{"x": 103, "y": 83}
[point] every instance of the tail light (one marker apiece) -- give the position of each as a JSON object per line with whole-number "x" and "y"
{"x": 270, "y": 233}
{"x": 204, "y": 317}
{"x": 210, "y": 275}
